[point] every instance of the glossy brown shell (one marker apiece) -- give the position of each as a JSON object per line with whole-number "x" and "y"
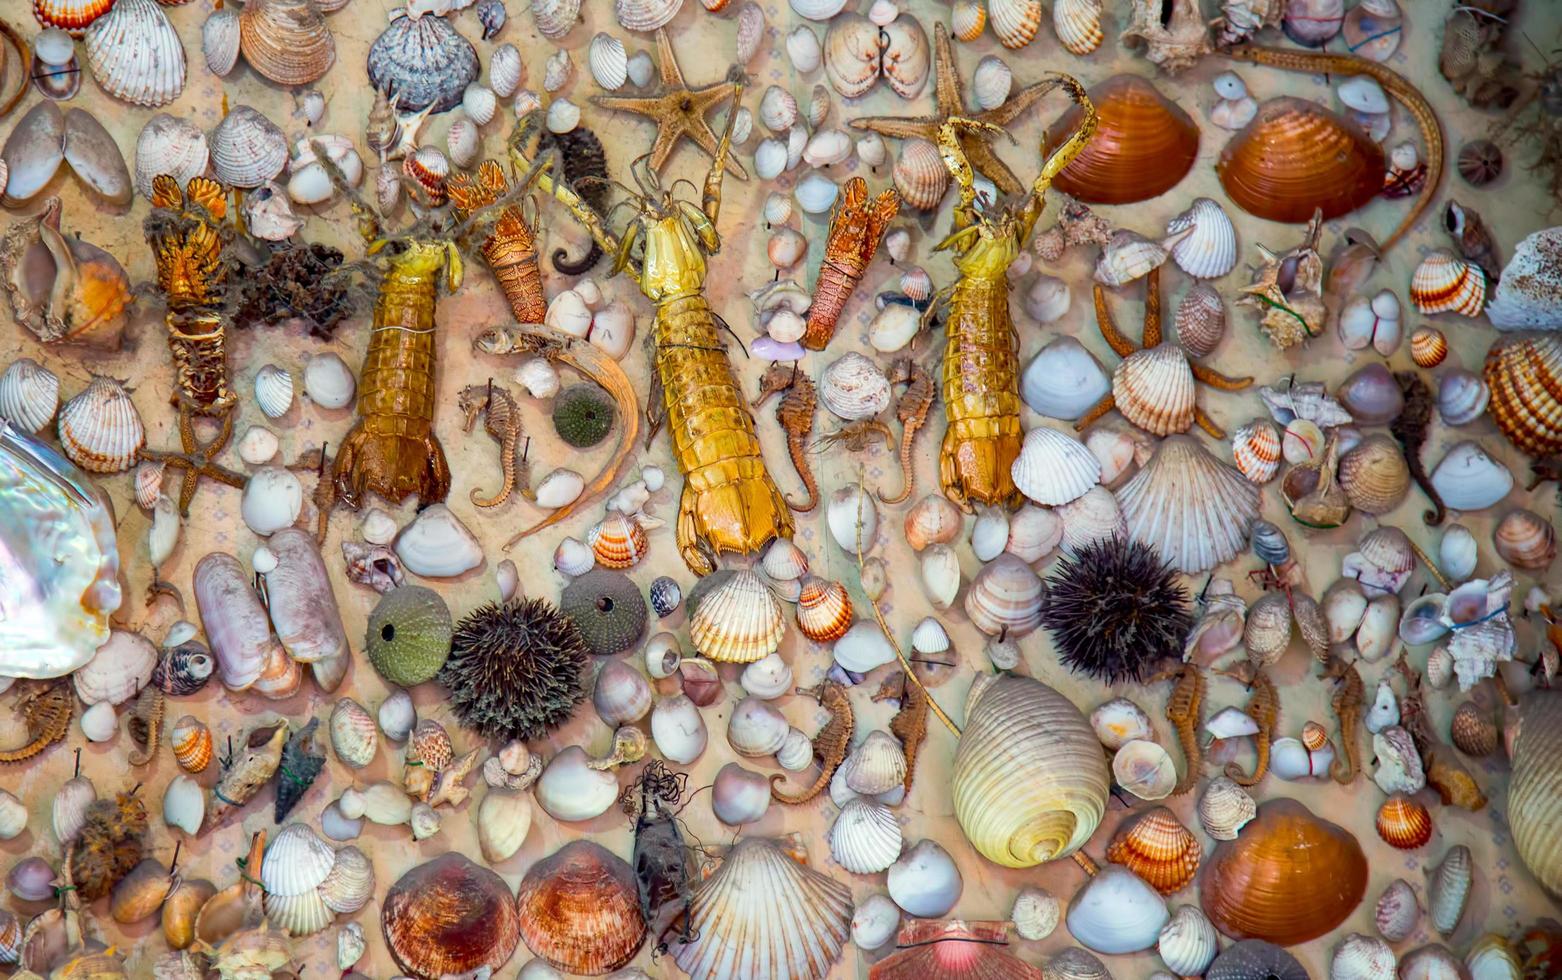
{"x": 1144, "y": 144}
{"x": 580, "y": 909}
{"x": 450, "y": 916}
{"x": 1295, "y": 156}
{"x": 1288, "y": 878}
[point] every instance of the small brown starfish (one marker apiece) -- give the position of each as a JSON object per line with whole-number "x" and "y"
{"x": 198, "y": 458}
{"x": 1158, "y": 422}
{"x": 949, "y": 100}
{"x": 679, "y": 111}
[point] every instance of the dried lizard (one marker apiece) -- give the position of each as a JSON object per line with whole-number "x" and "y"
{"x": 46, "y": 710}
{"x": 1183, "y": 709}
{"x": 830, "y": 743}
{"x": 910, "y": 722}
{"x": 1349, "y": 696}
{"x": 796, "y": 415}
{"x": 502, "y": 420}
{"x": 1263, "y": 706}
{"x": 911, "y": 410}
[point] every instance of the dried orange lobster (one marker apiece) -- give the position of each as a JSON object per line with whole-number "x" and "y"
{"x": 729, "y": 503}
{"x": 981, "y": 378}
{"x": 856, "y": 228}
{"x": 510, "y": 246}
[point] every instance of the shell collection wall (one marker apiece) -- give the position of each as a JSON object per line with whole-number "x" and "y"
{"x": 359, "y": 611}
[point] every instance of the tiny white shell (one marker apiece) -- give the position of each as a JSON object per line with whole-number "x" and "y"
{"x": 873, "y": 151}
{"x": 786, "y": 248}
{"x": 1035, "y": 913}
{"x": 642, "y": 69}
{"x": 563, "y": 116}
{"x": 678, "y": 730}
{"x": 272, "y": 500}
{"x": 479, "y": 102}
{"x": 802, "y": 48}
{"x": 98, "y": 722}
{"x": 992, "y": 82}
{"x": 573, "y": 557}
{"x": 184, "y": 804}
{"x": 816, "y": 193}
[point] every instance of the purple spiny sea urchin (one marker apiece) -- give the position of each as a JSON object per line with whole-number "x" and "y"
{"x": 514, "y": 670}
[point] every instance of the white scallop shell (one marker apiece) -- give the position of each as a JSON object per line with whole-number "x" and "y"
{"x": 609, "y": 62}
{"x": 135, "y": 53}
{"x": 479, "y": 102}
{"x": 876, "y": 766}
{"x": 297, "y": 861}
{"x": 1093, "y": 516}
{"x": 1078, "y": 25}
{"x": 170, "y": 145}
{"x": 220, "y": 41}
{"x": 853, "y": 387}
{"x": 1053, "y": 467}
{"x": 738, "y": 621}
{"x": 1192, "y": 508}
{"x": 100, "y": 429}
{"x": 645, "y": 15}
{"x": 1014, "y": 21}
{"x": 247, "y": 149}
{"x": 273, "y": 391}
{"x": 504, "y": 70}
{"x": 29, "y": 394}
{"x": 1187, "y": 942}
{"x": 1210, "y": 250}
{"x": 865, "y": 838}
{"x": 555, "y": 18}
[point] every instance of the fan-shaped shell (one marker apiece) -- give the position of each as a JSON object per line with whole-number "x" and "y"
{"x": 350, "y": 884}
{"x": 1448, "y": 889}
{"x": 967, "y": 19}
{"x": 1014, "y": 21}
{"x": 1397, "y": 911}
{"x": 1159, "y": 849}
{"x": 1188, "y": 942}
{"x": 29, "y": 394}
{"x": 247, "y": 149}
{"x": 737, "y": 621}
{"x": 1255, "y": 448}
{"x": 287, "y": 41}
{"x": 1144, "y": 144}
{"x": 1374, "y": 475}
{"x": 220, "y": 41}
{"x": 1288, "y": 878}
{"x": 764, "y": 914}
{"x": 1524, "y": 539}
{"x": 1404, "y": 823}
{"x": 1078, "y": 25}
{"x": 135, "y": 53}
{"x": 920, "y": 175}
{"x": 297, "y": 861}
{"x": 1192, "y": 508}
{"x": 425, "y": 63}
{"x": 100, "y": 429}
{"x": 1210, "y": 250}
{"x": 354, "y": 734}
{"x": 1535, "y": 790}
{"x": 169, "y": 145}
{"x": 1154, "y": 390}
{"x": 1030, "y": 781}
{"x": 865, "y": 838}
{"x": 1445, "y": 283}
{"x": 580, "y": 909}
{"x": 71, "y": 16}
{"x": 824, "y": 609}
{"x": 1297, "y": 156}
{"x": 645, "y": 15}
{"x": 1524, "y": 375}
{"x": 1053, "y": 467}
{"x": 1005, "y": 597}
{"x": 618, "y": 541}
{"x": 450, "y": 916}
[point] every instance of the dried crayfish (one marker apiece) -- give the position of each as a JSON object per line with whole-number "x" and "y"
{"x": 911, "y": 411}
{"x": 856, "y": 437}
{"x": 502, "y": 418}
{"x": 509, "y": 245}
{"x": 729, "y": 503}
{"x": 831, "y": 742}
{"x": 1263, "y": 706}
{"x": 1348, "y": 700}
{"x": 981, "y": 379}
{"x": 187, "y": 236}
{"x": 663, "y": 864}
{"x": 856, "y": 228}
{"x": 1184, "y": 708}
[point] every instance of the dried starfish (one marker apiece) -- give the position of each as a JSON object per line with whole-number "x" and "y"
{"x": 1263, "y": 706}
{"x": 1410, "y": 428}
{"x": 145, "y": 724}
{"x": 830, "y": 743}
{"x": 1127, "y": 350}
{"x": 1349, "y": 696}
{"x": 46, "y": 711}
{"x": 910, "y": 721}
{"x": 911, "y": 410}
{"x": 679, "y": 111}
{"x": 796, "y": 415}
{"x": 1183, "y": 709}
{"x": 502, "y": 420}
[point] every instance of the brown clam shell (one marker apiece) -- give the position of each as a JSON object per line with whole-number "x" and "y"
{"x": 1296, "y": 156}
{"x": 1288, "y": 878}
{"x": 1144, "y": 144}
{"x": 449, "y": 915}
{"x": 580, "y": 909}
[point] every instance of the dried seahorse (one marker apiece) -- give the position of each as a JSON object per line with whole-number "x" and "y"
{"x": 1263, "y": 706}
{"x": 1349, "y": 697}
{"x": 502, "y": 419}
{"x": 145, "y": 724}
{"x": 777, "y": 378}
{"x": 1317, "y": 63}
{"x": 1410, "y": 427}
{"x": 910, "y": 722}
{"x": 796, "y": 415}
{"x": 46, "y": 711}
{"x": 1184, "y": 709}
{"x": 911, "y": 410}
{"x": 830, "y": 743}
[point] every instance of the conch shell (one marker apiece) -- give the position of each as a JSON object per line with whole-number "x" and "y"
{"x": 64, "y": 290}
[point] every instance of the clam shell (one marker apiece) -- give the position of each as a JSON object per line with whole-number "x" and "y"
{"x": 1448, "y": 889}
{"x": 350, "y": 883}
{"x": 608, "y": 61}
{"x": 287, "y": 41}
{"x": 925, "y": 882}
{"x": 247, "y": 149}
{"x": 1360, "y": 957}
{"x": 273, "y": 391}
{"x": 1144, "y": 769}
{"x": 1053, "y": 467}
{"x": 580, "y": 911}
{"x": 1397, "y": 911}
{"x": 1374, "y": 475}
{"x": 1524, "y": 539}
{"x": 29, "y": 395}
{"x": 1128, "y": 256}
{"x": 427, "y": 64}
{"x": 1063, "y": 380}
{"x": 1187, "y": 943}
{"x": 1015, "y": 22}
{"x": 1255, "y": 449}
{"x": 1119, "y": 721}
{"x": 1005, "y": 597}
{"x": 1210, "y": 250}
{"x": 865, "y": 838}
{"x": 557, "y": 70}
{"x": 824, "y": 610}
{"x": 932, "y": 520}
{"x": 135, "y": 54}
{"x": 220, "y": 41}
{"x": 1144, "y": 144}
{"x": 1225, "y": 808}
{"x": 1428, "y": 347}
{"x": 1077, "y": 24}
{"x": 449, "y": 916}
{"x": 555, "y": 18}
{"x": 1493, "y": 958}
{"x": 1533, "y": 791}
{"x": 1200, "y": 320}
{"x": 1192, "y": 508}
{"x": 802, "y": 48}
{"x": 100, "y": 429}
{"x": 1093, "y": 516}
{"x": 169, "y": 145}
{"x": 737, "y": 621}
{"x": 1462, "y": 397}
{"x": 1468, "y": 478}
{"x": 1034, "y": 532}
{"x": 919, "y": 173}
{"x": 1445, "y": 283}
{"x": 1116, "y": 911}
{"x": 1154, "y": 389}
{"x": 1297, "y": 156}
{"x": 853, "y": 519}
{"x": 1047, "y": 300}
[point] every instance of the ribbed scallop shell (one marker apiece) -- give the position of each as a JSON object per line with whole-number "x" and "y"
{"x": 71, "y": 16}
{"x": 865, "y": 838}
{"x": 1154, "y": 390}
{"x": 1472, "y": 731}
{"x": 169, "y": 145}
{"x": 135, "y": 54}
{"x": 967, "y": 19}
{"x": 784, "y": 561}
{"x": 1005, "y": 598}
{"x": 29, "y": 394}
{"x": 1014, "y": 21}
{"x": 1159, "y": 849}
{"x": 876, "y": 766}
{"x": 1524, "y": 375}
{"x": 1053, "y": 467}
{"x": 220, "y": 41}
{"x": 350, "y": 883}
{"x": 100, "y": 429}
{"x": 645, "y": 15}
{"x": 1200, "y": 320}
{"x": 920, "y": 175}
{"x": 1296, "y": 156}
{"x": 1535, "y": 790}
{"x": 1524, "y": 539}
{"x": 1360, "y": 957}
{"x": 854, "y": 387}
{"x": 991, "y": 83}
{"x": 273, "y": 391}
{"x": 738, "y": 621}
{"x": 1397, "y": 911}
{"x": 1210, "y": 251}
{"x": 762, "y": 914}
{"x": 479, "y": 102}
{"x": 504, "y": 70}
{"x": 618, "y": 541}
{"x": 191, "y": 741}
{"x": 297, "y": 861}
{"x": 1404, "y": 823}
{"x": 354, "y": 734}
{"x": 1078, "y": 25}
{"x": 1428, "y": 347}
{"x": 1188, "y": 942}
{"x": 1374, "y": 475}
{"x": 1093, "y": 516}
{"x": 1255, "y": 448}
{"x": 1030, "y": 782}
{"x": 555, "y": 18}
{"x": 287, "y": 41}
{"x": 247, "y": 149}
{"x": 1192, "y": 508}
{"x": 824, "y": 609}
{"x": 1144, "y": 144}
{"x": 1443, "y": 283}
{"x": 608, "y": 61}
{"x": 1448, "y": 888}
{"x": 424, "y": 62}
{"x": 303, "y": 914}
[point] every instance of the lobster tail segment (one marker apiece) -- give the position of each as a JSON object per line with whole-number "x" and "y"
{"x": 394, "y": 465}
{"x": 738, "y": 515}
{"x": 975, "y": 461}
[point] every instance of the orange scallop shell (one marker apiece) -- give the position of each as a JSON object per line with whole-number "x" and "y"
{"x": 1428, "y": 347}
{"x": 1314, "y": 736}
{"x": 580, "y": 909}
{"x": 1524, "y": 375}
{"x": 1144, "y": 144}
{"x": 824, "y": 610}
{"x": 1404, "y": 823}
{"x": 618, "y": 542}
{"x": 1296, "y": 156}
{"x": 1159, "y": 849}
{"x": 450, "y": 915}
{"x": 1288, "y": 878}
{"x": 71, "y": 16}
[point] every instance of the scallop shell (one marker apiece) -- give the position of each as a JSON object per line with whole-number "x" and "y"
{"x": 1297, "y": 156}
{"x": 504, "y": 70}
{"x": 920, "y": 175}
{"x": 645, "y": 16}
{"x": 865, "y": 838}
{"x": 1374, "y": 475}
{"x": 1005, "y": 597}
{"x": 608, "y": 61}
{"x": 1225, "y": 808}
{"x": 1448, "y": 889}
{"x": 135, "y": 54}
{"x": 1524, "y": 539}
{"x": 1144, "y": 144}
{"x": 1154, "y": 389}
{"x": 1360, "y": 957}
{"x": 618, "y": 541}
{"x": 555, "y": 18}
{"x": 824, "y": 610}
{"x": 876, "y": 766}
{"x": 1053, "y": 467}
{"x": 1192, "y": 508}
{"x": 1397, "y": 911}
{"x": 1521, "y": 372}
{"x": 737, "y": 621}
{"x": 1210, "y": 250}
{"x": 1014, "y": 21}
{"x": 1428, "y": 347}
{"x": 1533, "y": 811}
{"x": 1159, "y": 849}
{"x": 1200, "y": 320}
{"x": 1444, "y": 283}
{"x": 169, "y": 145}
{"x": 967, "y": 19}
{"x": 29, "y": 395}
{"x": 1255, "y": 449}
{"x": 100, "y": 429}
{"x": 1078, "y": 25}
{"x": 1188, "y": 943}
{"x": 426, "y": 64}
{"x": 287, "y": 41}
{"x": 1128, "y": 256}
{"x": 70, "y": 16}
{"x": 247, "y": 149}
{"x": 354, "y": 734}
{"x": 192, "y": 744}
{"x": 1404, "y": 823}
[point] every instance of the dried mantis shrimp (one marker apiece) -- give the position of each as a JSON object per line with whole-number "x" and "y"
{"x": 509, "y": 246}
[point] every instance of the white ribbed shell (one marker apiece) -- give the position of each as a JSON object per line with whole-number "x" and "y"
{"x": 1154, "y": 390}
{"x": 1210, "y": 251}
{"x": 646, "y": 15}
{"x": 865, "y": 838}
{"x": 100, "y": 429}
{"x": 1053, "y": 467}
{"x": 135, "y": 54}
{"x": 1535, "y": 792}
{"x": 1191, "y": 507}
{"x": 297, "y": 861}
{"x": 29, "y": 394}
{"x": 738, "y": 622}
{"x": 247, "y": 149}
{"x": 169, "y": 145}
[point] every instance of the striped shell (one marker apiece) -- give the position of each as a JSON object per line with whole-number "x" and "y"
{"x": 1535, "y": 791}
{"x": 169, "y": 145}
{"x": 967, "y": 19}
{"x": 1526, "y": 540}
{"x": 1524, "y": 376}
{"x": 645, "y": 15}
{"x": 1473, "y": 731}
{"x": 1255, "y": 448}
{"x": 865, "y": 838}
{"x": 1188, "y": 943}
{"x": 1192, "y": 508}
{"x": 1448, "y": 888}
{"x": 1210, "y": 251}
{"x": 608, "y": 61}
{"x": 1225, "y": 808}
{"x": 71, "y": 16}
{"x": 247, "y": 149}
{"x": 1154, "y": 390}
{"x": 1004, "y": 598}
{"x": 619, "y": 541}
{"x": 920, "y": 175}
{"x": 1428, "y": 347}
{"x": 273, "y": 391}
{"x": 1397, "y": 911}
{"x": 1200, "y": 320}
{"x": 1159, "y": 849}
{"x": 1404, "y": 823}
{"x": 135, "y": 54}
{"x": 220, "y": 41}
{"x": 1443, "y": 282}
{"x": 1053, "y": 467}
{"x": 504, "y": 70}
{"x": 1015, "y": 21}
{"x": 738, "y": 621}
{"x": 287, "y": 41}
{"x": 1078, "y": 25}
{"x": 1374, "y": 475}
{"x": 354, "y": 733}
{"x": 579, "y": 911}
{"x": 29, "y": 394}
{"x": 192, "y": 744}
{"x": 425, "y": 62}
{"x": 349, "y": 885}
{"x": 555, "y": 18}
{"x": 824, "y": 610}
{"x": 100, "y": 430}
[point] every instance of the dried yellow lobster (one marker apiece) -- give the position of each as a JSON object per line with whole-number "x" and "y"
{"x": 729, "y": 503}
{"x": 981, "y": 378}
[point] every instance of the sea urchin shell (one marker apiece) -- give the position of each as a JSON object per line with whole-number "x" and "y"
{"x": 583, "y": 415}
{"x": 514, "y": 669}
{"x": 608, "y": 608}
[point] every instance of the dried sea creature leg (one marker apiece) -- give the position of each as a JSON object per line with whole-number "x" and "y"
{"x": 831, "y": 743}
{"x": 1348, "y": 700}
{"x": 857, "y": 436}
{"x": 796, "y": 415}
{"x": 46, "y": 712}
{"x": 911, "y": 410}
{"x": 1263, "y": 706}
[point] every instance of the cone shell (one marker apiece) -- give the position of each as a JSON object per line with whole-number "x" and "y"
{"x": 1053, "y": 467}
{"x": 824, "y": 610}
{"x": 1374, "y": 475}
{"x": 1255, "y": 448}
{"x": 1225, "y": 808}
{"x": 1014, "y": 21}
{"x": 1192, "y": 508}
{"x": 135, "y": 54}
{"x": 1524, "y": 539}
{"x": 29, "y": 394}
{"x": 1428, "y": 347}
{"x": 1144, "y": 144}
{"x": 100, "y": 430}
{"x": 1404, "y": 823}
{"x": 450, "y": 915}
{"x": 580, "y": 910}
{"x": 619, "y": 541}
{"x": 1472, "y": 731}
{"x": 1297, "y": 156}
{"x": 1288, "y": 878}
{"x": 1159, "y": 849}
{"x": 1078, "y": 25}
{"x": 1445, "y": 283}
{"x": 1030, "y": 782}
{"x": 1524, "y": 374}
{"x": 71, "y": 16}
{"x": 920, "y": 175}
{"x": 764, "y": 914}
{"x": 865, "y": 838}
{"x": 1209, "y": 251}
{"x": 738, "y": 621}
{"x": 287, "y": 41}
{"x": 192, "y": 744}
{"x": 1154, "y": 390}
{"x": 1535, "y": 791}
{"x": 1200, "y": 320}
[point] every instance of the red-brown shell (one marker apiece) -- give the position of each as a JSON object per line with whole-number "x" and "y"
{"x": 580, "y": 909}
{"x": 947, "y": 949}
{"x": 1144, "y": 144}
{"x": 1404, "y": 823}
{"x": 450, "y": 915}
{"x": 1296, "y": 156}
{"x": 1288, "y": 878}
{"x": 1159, "y": 849}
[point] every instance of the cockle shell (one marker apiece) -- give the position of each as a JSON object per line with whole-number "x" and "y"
{"x": 608, "y": 61}
{"x": 1015, "y": 22}
{"x": 1077, "y": 24}
{"x": 1524, "y": 539}
{"x": 169, "y": 145}
{"x": 247, "y": 149}
{"x": 1192, "y": 508}
{"x": 865, "y": 838}
{"x": 100, "y": 429}
{"x": 1360, "y": 957}
{"x": 1128, "y": 255}
{"x": 191, "y": 741}
{"x": 824, "y": 609}
{"x": 135, "y": 53}
{"x": 1533, "y": 790}
{"x": 1187, "y": 943}
{"x": 920, "y": 175}
{"x": 1448, "y": 889}
{"x": 967, "y": 19}
{"x": 273, "y": 390}
{"x": 1209, "y": 251}
{"x": 1397, "y": 911}
{"x": 287, "y": 41}
{"x": 1404, "y": 823}
{"x": 29, "y": 395}
{"x": 220, "y": 41}
{"x": 1374, "y": 475}
{"x": 1093, "y": 516}
{"x": 555, "y": 18}
{"x": 645, "y": 15}
{"x": 1255, "y": 449}
{"x": 1053, "y": 467}
{"x": 1154, "y": 389}
{"x": 1159, "y": 849}
{"x": 504, "y": 70}
{"x": 354, "y": 735}
{"x": 557, "y": 71}
{"x": 738, "y": 621}
{"x": 1443, "y": 282}
{"x": 1428, "y": 347}
{"x": 1200, "y": 320}
{"x": 992, "y": 82}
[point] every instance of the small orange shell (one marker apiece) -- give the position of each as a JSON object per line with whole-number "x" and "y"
{"x": 618, "y": 542}
{"x": 1255, "y": 448}
{"x": 1443, "y": 282}
{"x": 71, "y": 16}
{"x": 1314, "y": 736}
{"x": 1159, "y": 849}
{"x": 1404, "y": 823}
{"x": 1524, "y": 539}
{"x": 192, "y": 744}
{"x": 1428, "y": 347}
{"x": 967, "y": 19}
{"x": 1472, "y": 731}
{"x": 824, "y": 610}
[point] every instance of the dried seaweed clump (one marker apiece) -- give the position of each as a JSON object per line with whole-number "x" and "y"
{"x": 304, "y": 283}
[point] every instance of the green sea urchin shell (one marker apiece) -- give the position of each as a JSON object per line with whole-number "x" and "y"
{"x": 409, "y": 635}
{"x": 583, "y": 415}
{"x": 608, "y": 608}
{"x": 515, "y": 669}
